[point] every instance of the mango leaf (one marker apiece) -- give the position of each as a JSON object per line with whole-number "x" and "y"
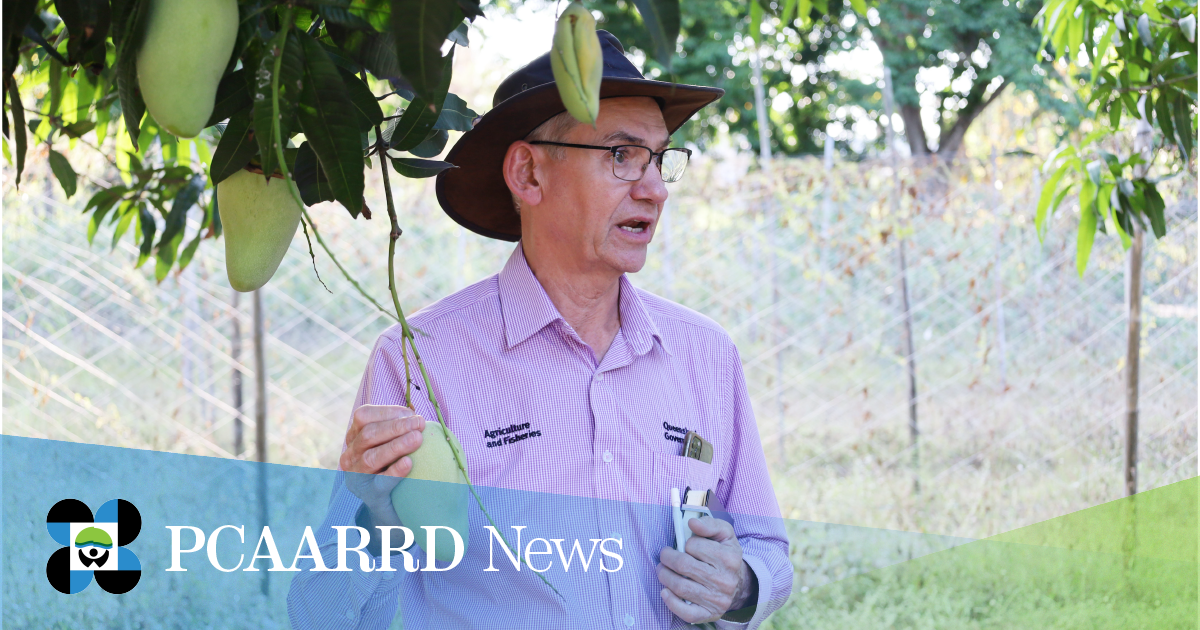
{"x": 1183, "y": 125}
{"x": 188, "y": 252}
{"x": 126, "y": 214}
{"x": 87, "y": 23}
{"x": 128, "y": 26}
{"x": 233, "y": 95}
{"x": 78, "y": 128}
{"x": 148, "y": 227}
{"x": 420, "y": 116}
{"x": 235, "y": 148}
{"x": 1048, "y": 190}
{"x": 291, "y": 79}
{"x": 459, "y": 36}
{"x": 414, "y": 168}
{"x": 789, "y": 11}
{"x": 366, "y": 107}
{"x": 859, "y": 6}
{"x": 419, "y": 27}
{"x": 470, "y": 8}
{"x": 661, "y": 18}
{"x": 18, "y": 131}
{"x": 1155, "y": 208}
{"x": 63, "y": 172}
{"x": 432, "y": 145}
{"x": 1087, "y": 225}
{"x": 342, "y": 16}
{"x": 102, "y": 202}
{"x": 333, "y": 135}
{"x": 177, "y": 218}
{"x": 455, "y": 116}
{"x": 309, "y": 178}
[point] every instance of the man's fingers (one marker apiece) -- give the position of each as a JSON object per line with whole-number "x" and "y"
{"x": 685, "y": 610}
{"x": 687, "y": 566}
{"x": 386, "y": 454}
{"x": 710, "y": 527}
{"x": 367, "y": 415}
{"x": 384, "y": 431}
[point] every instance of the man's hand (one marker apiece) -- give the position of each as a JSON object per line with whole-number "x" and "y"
{"x": 711, "y": 578}
{"x": 380, "y": 439}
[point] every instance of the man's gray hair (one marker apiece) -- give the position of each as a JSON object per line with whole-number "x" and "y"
{"x": 553, "y": 130}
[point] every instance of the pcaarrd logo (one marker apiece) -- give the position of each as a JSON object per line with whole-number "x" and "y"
{"x": 93, "y": 546}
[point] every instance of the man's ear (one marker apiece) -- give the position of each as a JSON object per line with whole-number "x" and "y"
{"x": 520, "y": 173}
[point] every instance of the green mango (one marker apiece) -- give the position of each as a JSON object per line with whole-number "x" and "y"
{"x": 426, "y": 504}
{"x": 186, "y": 48}
{"x": 259, "y": 217}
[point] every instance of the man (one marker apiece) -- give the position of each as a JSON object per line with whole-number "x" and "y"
{"x": 598, "y": 380}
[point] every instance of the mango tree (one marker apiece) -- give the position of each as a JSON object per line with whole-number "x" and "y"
{"x": 1135, "y": 64}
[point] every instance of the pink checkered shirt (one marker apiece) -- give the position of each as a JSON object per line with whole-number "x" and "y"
{"x": 542, "y": 423}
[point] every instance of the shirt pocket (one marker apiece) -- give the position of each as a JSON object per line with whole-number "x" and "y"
{"x": 677, "y": 471}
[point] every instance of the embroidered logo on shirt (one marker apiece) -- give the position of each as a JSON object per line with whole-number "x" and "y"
{"x": 670, "y": 430}
{"x": 510, "y": 434}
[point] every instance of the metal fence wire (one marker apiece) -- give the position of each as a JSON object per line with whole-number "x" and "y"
{"x": 1019, "y": 361}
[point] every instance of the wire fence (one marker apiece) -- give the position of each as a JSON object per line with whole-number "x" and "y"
{"x": 1019, "y": 361}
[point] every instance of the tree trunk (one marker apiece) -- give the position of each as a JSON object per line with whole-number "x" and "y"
{"x": 914, "y": 130}
{"x": 235, "y": 353}
{"x": 1132, "y": 356}
{"x": 260, "y": 420}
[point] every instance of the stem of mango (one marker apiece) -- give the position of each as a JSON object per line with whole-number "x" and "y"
{"x": 277, "y": 45}
{"x": 407, "y": 336}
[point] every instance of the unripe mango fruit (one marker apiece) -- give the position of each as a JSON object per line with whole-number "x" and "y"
{"x": 578, "y": 63}
{"x": 427, "y": 504}
{"x": 186, "y": 48}
{"x": 259, "y": 217}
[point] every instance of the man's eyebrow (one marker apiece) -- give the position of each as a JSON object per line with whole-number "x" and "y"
{"x": 629, "y": 138}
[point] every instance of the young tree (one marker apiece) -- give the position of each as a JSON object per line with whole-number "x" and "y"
{"x": 1136, "y": 66}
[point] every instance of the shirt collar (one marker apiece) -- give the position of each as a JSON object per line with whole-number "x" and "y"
{"x": 527, "y": 309}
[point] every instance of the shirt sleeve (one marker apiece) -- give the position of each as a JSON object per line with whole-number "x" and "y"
{"x": 745, "y": 491}
{"x": 356, "y": 599}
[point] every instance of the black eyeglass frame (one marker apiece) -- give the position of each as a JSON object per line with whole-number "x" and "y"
{"x": 613, "y": 150}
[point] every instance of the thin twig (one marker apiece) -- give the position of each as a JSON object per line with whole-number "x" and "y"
{"x": 346, "y": 274}
{"x": 304, "y": 224}
{"x": 1147, "y": 88}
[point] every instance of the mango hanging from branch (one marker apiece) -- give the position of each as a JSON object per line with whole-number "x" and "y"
{"x": 259, "y": 218}
{"x": 421, "y": 504}
{"x": 577, "y": 63}
{"x": 186, "y": 48}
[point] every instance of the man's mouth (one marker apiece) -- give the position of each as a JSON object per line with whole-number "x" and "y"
{"x": 634, "y": 227}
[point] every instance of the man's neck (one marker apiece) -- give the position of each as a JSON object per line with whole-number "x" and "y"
{"x": 589, "y": 302}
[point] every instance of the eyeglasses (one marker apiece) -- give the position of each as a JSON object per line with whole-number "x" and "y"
{"x": 629, "y": 161}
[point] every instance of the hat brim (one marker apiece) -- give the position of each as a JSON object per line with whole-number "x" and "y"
{"x": 474, "y": 194}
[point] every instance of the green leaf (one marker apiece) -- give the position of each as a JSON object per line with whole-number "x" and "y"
{"x": 148, "y": 227}
{"x": 78, "y": 128}
{"x": 310, "y": 179}
{"x": 291, "y": 79}
{"x": 131, "y": 16}
{"x": 416, "y": 169}
{"x": 789, "y": 11}
{"x": 419, "y": 27}
{"x": 804, "y": 12}
{"x": 432, "y": 146}
{"x": 1155, "y": 209}
{"x": 859, "y": 6}
{"x": 233, "y": 95}
{"x": 63, "y": 172}
{"x": 127, "y": 213}
{"x": 102, "y": 201}
{"x": 1087, "y": 226}
{"x": 177, "y": 218}
{"x": 235, "y": 149}
{"x": 333, "y": 135}
{"x": 661, "y": 18}
{"x": 420, "y": 116}
{"x": 1183, "y": 125}
{"x": 366, "y": 106}
{"x": 87, "y": 23}
{"x": 188, "y": 252}
{"x": 455, "y": 116}
{"x": 1048, "y": 190}
{"x": 19, "y": 131}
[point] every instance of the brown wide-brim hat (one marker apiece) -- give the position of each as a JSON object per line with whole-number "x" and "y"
{"x": 475, "y": 195}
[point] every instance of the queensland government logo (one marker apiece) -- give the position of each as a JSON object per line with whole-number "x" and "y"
{"x": 93, "y": 546}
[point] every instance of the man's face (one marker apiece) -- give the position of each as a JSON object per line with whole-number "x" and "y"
{"x": 591, "y": 219}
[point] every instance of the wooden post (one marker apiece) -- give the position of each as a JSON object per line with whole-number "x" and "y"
{"x": 999, "y": 277}
{"x": 235, "y": 353}
{"x": 907, "y": 338}
{"x": 1142, "y": 138}
{"x": 260, "y": 420}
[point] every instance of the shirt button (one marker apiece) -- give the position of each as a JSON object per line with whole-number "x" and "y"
{"x": 628, "y": 620}
{"x": 615, "y": 536}
{"x": 350, "y": 615}
{"x": 607, "y": 456}
{"x": 387, "y": 575}
{"x": 599, "y": 376}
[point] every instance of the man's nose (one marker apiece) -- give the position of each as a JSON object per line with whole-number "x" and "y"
{"x": 650, "y": 187}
